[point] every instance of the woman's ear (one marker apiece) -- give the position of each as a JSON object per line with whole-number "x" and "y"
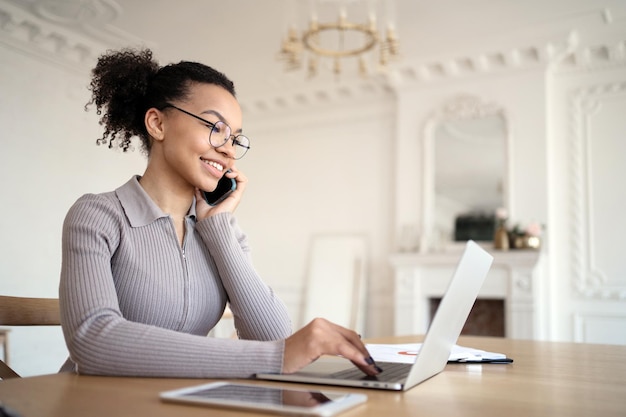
{"x": 154, "y": 124}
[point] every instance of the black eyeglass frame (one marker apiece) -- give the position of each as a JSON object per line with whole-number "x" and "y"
{"x": 212, "y": 125}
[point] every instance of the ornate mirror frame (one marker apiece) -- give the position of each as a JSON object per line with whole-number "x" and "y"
{"x": 461, "y": 107}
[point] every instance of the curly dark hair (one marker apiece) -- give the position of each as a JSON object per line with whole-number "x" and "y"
{"x": 126, "y": 83}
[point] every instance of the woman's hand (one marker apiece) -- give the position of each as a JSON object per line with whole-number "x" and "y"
{"x": 321, "y": 337}
{"x": 229, "y": 204}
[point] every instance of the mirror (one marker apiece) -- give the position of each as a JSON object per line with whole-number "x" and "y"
{"x": 466, "y": 153}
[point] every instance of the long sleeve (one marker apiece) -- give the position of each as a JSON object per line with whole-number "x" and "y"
{"x": 133, "y": 302}
{"x": 259, "y": 314}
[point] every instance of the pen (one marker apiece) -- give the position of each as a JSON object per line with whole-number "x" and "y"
{"x": 484, "y": 360}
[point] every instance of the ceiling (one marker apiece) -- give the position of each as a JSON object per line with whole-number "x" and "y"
{"x": 242, "y": 37}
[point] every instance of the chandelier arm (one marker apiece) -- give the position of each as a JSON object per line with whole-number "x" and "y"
{"x": 309, "y": 37}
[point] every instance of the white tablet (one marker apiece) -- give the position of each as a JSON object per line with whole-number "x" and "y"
{"x": 266, "y": 398}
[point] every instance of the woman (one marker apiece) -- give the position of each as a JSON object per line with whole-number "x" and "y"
{"x": 148, "y": 268}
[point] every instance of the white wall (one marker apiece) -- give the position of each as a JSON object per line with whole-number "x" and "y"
{"x": 48, "y": 159}
{"x": 325, "y": 174}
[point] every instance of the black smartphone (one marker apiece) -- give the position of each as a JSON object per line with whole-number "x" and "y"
{"x": 225, "y": 186}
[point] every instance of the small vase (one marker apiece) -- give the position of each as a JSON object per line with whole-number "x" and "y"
{"x": 501, "y": 239}
{"x": 532, "y": 242}
{"x": 518, "y": 242}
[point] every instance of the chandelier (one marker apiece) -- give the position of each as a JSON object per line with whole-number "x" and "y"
{"x": 331, "y": 35}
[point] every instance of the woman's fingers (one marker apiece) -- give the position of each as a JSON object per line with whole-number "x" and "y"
{"x": 356, "y": 352}
{"x": 230, "y": 203}
{"x": 321, "y": 337}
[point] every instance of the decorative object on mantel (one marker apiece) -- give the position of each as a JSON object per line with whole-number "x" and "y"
{"x": 517, "y": 237}
{"x": 474, "y": 226}
{"x": 526, "y": 238}
{"x": 501, "y": 235}
{"x": 341, "y": 38}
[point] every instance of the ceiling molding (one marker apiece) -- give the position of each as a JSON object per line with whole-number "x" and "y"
{"x": 68, "y": 33}
{"x": 482, "y": 63}
{"x": 594, "y": 57}
{"x": 73, "y": 33}
{"x": 416, "y": 74}
{"x": 316, "y": 95}
{"x": 560, "y": 55}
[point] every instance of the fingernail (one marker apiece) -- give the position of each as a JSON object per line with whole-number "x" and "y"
{"x": 370, "y": 361}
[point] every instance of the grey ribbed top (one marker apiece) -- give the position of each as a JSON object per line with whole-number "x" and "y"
{"x": 134, "y": 302}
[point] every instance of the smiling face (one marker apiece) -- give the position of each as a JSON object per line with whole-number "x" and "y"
{"x": 184, "y": 150}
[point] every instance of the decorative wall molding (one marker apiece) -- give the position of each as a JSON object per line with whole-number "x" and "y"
{"x": 523, "y": 282}
{"x": 67, "y": 33}
{"x": 599, "y": 328}
{"x": 467, "y": 106}
{"x": 588, "y": 279}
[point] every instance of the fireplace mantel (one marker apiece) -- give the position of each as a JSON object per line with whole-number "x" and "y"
{"x": 513, "y": 278}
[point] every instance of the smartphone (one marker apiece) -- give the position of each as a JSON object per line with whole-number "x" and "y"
{"x": 266, "y": 398}
{"x": 225, "y": 186}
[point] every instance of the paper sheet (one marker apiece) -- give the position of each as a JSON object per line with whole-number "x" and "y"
{"x": 405, "y": 353}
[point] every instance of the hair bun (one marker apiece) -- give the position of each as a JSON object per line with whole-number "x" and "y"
{"x": 119, "y": 82}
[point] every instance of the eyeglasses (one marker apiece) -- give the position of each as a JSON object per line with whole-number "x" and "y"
{"x": 220, "y": 134}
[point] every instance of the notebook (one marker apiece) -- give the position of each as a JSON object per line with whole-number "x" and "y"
{"x": 441, "y": 336}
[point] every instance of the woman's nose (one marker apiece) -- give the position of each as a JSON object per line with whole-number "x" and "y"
{"x": 228, "y": 149}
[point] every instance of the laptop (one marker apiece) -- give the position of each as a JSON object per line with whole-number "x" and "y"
{"x": 433, "y": 356}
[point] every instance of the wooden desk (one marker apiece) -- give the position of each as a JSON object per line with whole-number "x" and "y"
{"x": 546, "y": 379}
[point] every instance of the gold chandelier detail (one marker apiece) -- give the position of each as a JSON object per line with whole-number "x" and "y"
{"x": 349, "y": 39}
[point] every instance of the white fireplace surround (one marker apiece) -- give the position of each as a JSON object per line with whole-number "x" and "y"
{"x": 419, "y": 277}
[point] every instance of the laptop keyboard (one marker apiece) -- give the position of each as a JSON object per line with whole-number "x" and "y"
{"x": 391, "y": 372}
